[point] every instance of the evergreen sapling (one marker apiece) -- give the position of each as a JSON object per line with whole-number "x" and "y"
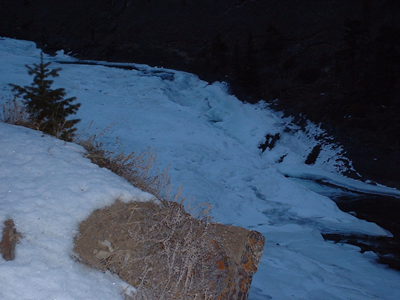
{"x": 47, "y": 107}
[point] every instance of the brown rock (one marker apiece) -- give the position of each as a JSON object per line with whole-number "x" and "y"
{"x": 243, "y": 250}
{"x": 162, "y": 250}
{"x": 9, "y": 240}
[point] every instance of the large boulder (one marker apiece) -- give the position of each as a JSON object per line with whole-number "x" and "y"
{"x": 165, "y": 253}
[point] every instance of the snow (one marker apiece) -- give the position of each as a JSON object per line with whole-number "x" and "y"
{"x": 47, "y": 187}
{"x": 307, "y": 172}
{"x": 210, "y": 141}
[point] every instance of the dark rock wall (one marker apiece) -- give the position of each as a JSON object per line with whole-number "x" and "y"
{"x": 336, "y": 62}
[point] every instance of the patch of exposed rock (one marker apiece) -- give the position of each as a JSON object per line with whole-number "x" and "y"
{"x": 9, "y": 240}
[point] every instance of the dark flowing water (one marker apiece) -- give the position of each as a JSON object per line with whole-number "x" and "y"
{"x": 382, "y": 210}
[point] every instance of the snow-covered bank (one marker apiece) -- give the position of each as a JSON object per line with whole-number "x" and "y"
{"x": 48, "y": 188}
{"x": 211, "y": 140}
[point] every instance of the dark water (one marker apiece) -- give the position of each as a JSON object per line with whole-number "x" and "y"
{"x": 382, "y": 210}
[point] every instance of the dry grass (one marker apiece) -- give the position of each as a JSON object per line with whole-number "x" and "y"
{"x": 137, "y": 168}
{"x": 140, "y": 169}
{"x": 14, "y": 112}
{"x": 159, "y": 249}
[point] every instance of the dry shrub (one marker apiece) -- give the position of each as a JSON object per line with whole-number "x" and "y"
{"x": 158, "y": 248}
{"x": 14, "y": 112}
{"x": 139, "y": 169}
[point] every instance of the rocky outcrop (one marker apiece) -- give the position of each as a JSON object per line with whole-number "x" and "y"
{"x": 162, "y": 250}
{"x": 242, "y": 253}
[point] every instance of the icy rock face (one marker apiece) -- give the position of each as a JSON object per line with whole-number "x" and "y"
{"x": 162, "y": 250}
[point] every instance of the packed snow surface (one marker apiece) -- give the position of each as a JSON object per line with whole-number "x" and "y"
{"x": 210, "y": 141}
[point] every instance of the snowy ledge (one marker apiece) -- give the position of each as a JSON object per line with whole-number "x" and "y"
{"x": 307, "y": 172}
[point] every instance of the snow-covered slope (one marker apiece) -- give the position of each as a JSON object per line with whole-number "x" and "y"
{"x": 48, "y": 188}
{"x": 210, "y": 139}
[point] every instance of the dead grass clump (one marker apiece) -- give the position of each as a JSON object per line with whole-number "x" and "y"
{"x": 158, "y": 248}
{"x": 139, "y": 169}
{"x": 14, "y": 112}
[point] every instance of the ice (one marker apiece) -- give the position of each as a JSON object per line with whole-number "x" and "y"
{"x": 307, "y": 172}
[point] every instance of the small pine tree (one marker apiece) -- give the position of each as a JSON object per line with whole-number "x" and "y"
{"x": 48, "y": 107}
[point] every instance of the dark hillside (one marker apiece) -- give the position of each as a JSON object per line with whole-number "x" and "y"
{"x": 336, "y": 62}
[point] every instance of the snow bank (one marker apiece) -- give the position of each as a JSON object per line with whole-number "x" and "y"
{"x": 48, "y": 188}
